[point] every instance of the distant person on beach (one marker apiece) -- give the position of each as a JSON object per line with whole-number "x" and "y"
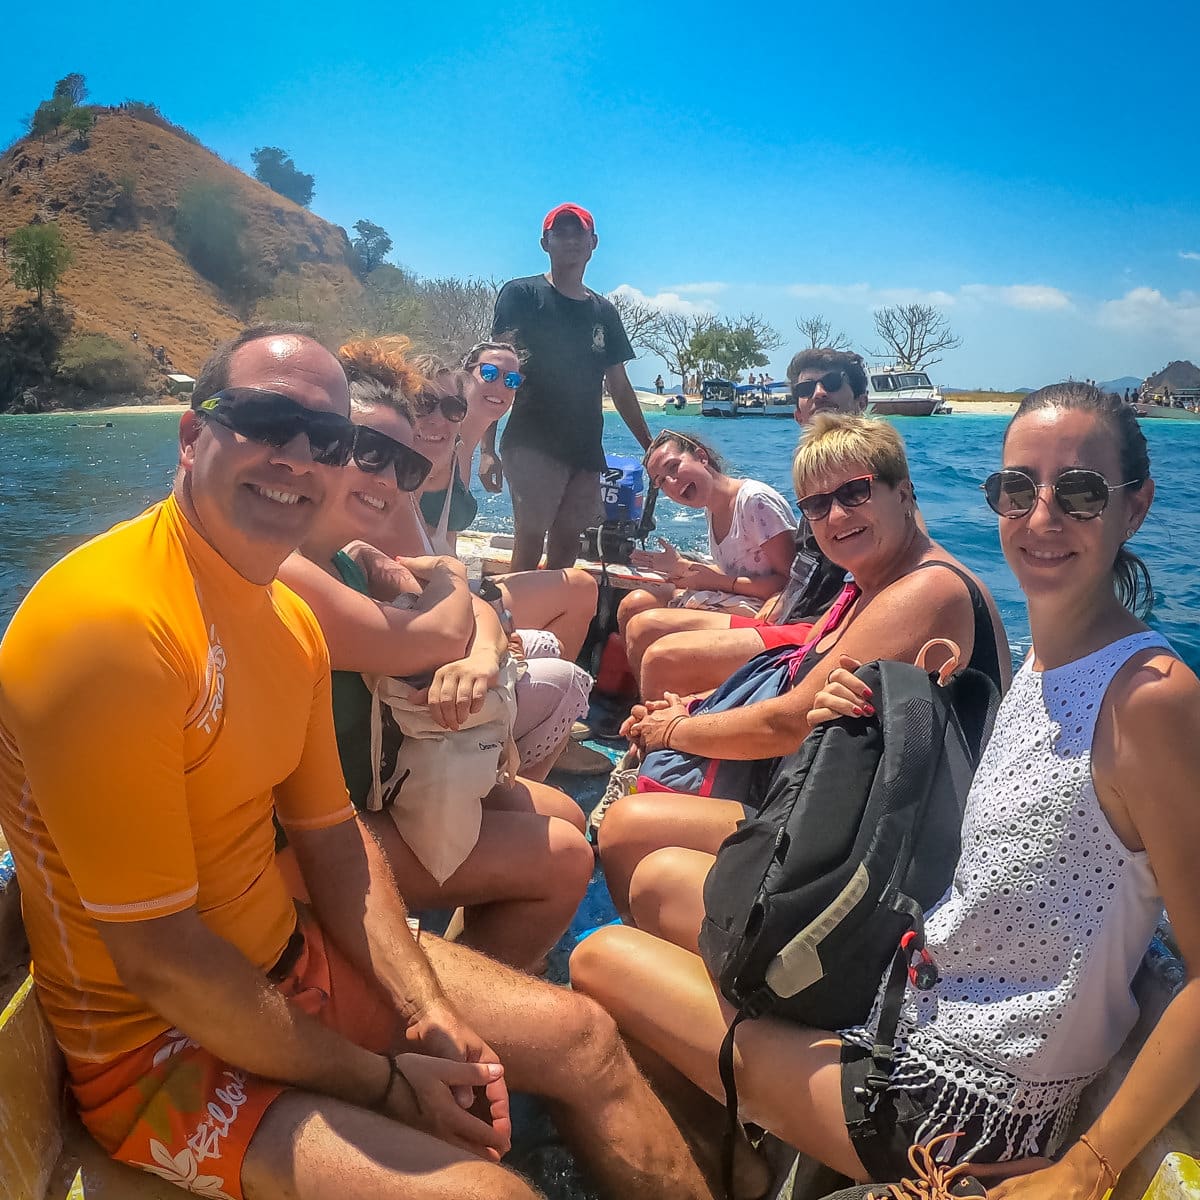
{"x": 659, "y": 385}
{"x": 574, "y": 344}
{"x": 162, "y": 698}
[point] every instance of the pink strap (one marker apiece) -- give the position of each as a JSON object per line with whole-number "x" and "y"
{"x": 833, "y": 618}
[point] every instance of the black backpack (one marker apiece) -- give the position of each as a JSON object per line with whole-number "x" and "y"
{"x": 810, "y": 899}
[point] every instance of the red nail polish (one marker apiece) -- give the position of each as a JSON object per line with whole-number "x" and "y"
{"x": 869, "y": 709}
{"x": 858, "y": 712}
{"x": 868, "y": 693}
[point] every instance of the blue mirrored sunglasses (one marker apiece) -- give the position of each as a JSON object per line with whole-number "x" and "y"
{"x": 489, "y": 373}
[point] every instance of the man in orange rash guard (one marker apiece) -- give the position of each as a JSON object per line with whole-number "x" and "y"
{"x": 161, "y": 696}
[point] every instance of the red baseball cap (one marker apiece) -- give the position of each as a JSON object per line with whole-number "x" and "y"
{"x": 585, "y": 218}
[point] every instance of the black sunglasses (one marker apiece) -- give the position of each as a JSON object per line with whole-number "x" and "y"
{"x": 830, "y": 382}
{"x": 1080, "y": 493}
{"x": 374, "y": 452}
{"x": 850, "y": 494}
{"x": 454, "y": 407}
{"x": 273, "y": 419}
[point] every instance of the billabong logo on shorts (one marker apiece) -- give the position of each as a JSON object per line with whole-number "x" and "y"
{"x": 485, "y": 746}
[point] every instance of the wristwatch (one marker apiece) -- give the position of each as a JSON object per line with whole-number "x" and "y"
{"x": 492, "y": 595}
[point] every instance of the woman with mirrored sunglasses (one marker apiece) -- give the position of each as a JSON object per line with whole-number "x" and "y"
{"x": 415, "y": 616}
{"x": 1080, "y": 826}
{"x": 852, "y": 474}
{"x": 493, "y": 377}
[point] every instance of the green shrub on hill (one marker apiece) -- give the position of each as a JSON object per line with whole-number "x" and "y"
{"x": 210, "y": 228}
{"x": 30, "y": 342}
{"x": 99, "y": 363}
{"x": 38, "y": 257}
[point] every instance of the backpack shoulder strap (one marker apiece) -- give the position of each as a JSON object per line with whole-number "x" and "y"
{"x": 984, "y": 654}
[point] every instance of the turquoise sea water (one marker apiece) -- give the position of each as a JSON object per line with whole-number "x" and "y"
{"x": 62, "y": 482}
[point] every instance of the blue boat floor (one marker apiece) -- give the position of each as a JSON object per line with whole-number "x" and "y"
{"x": 538, "y": 1152}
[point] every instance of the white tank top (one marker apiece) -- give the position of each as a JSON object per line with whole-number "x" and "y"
{"x": 1046, "y": 921}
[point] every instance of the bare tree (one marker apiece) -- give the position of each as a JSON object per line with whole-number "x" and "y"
{"x": 672, "y": 340}
{"x": 642, "y": 321}
{"x": 457, "y": 313}
{"x": 820, "y": 333}
{"x": 914, "y": 333}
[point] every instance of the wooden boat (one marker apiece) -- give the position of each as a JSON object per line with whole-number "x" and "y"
{"x": 718, "y": 398}
{"x": 774, "y": 400}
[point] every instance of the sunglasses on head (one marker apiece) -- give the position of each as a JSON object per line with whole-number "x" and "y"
{"x": 273, "y": 419}
{"x": 374, "y": 452}
{"x": 454, "y": 407}
{"x": 1080, "y": 493}
{"x": 830, "y": 382}
{"x": 669, "y": 435}
{"x": 850, "y": 494}
{"x": 489, "y": 373}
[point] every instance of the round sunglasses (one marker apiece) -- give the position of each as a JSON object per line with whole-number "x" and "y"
{"x": 1080, "y": 493}
{"x": 830, "y": 382}
{"x": 489, "y": 373}
{"x": 850, "y": 494}
{"x": 273, "y": 419}
{"x": 374, "y": 452}
{"x": 454, "y": 407}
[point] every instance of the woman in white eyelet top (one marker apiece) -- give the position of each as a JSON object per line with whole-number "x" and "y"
{"x": 1081, "y": 823}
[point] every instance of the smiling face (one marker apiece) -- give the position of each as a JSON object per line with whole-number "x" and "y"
{"x": 841, "y": 400}
{"x": 368, "y": 502}
{"x": 434, "y": 433}
{"x": 682, "y": 473}
{"x": 864, "y": 537}
{"x": 1050, "y": 553}
{"x": 490, "y": 401}
{"x": 255, "y": 503}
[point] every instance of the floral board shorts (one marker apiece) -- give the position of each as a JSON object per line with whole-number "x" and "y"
{"x": 175, "y": 1110}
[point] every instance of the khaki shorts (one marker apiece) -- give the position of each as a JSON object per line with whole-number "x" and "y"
{"x": 548, "y": 494}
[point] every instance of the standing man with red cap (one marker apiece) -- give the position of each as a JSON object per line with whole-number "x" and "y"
{"x": 573, "y": 343}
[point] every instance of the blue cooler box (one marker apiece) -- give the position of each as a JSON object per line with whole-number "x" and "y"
{"x": 622, "y": 484}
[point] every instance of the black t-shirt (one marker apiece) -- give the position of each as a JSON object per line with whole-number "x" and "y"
{"x": 569, "y": 345}
{"x": 813, "y": 582}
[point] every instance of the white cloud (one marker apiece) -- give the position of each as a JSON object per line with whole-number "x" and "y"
{"x": 671, "y": 302}
{"x": 1036, "y": 297}
{"x": 710, "y": 288}
{"x": 866, "y": 296}
{"x": 1032, "y": 296}
{"x": 1147, "y": 310}
{"x": 1192, "y": 255}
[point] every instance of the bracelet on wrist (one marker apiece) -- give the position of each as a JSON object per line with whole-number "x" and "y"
{"x": 670, "y": 729}
{"x": 1106, "y": 1168}
{"x": 393, "y": 1074}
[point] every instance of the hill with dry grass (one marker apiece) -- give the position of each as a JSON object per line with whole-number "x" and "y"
{"x": 115, "y": 199}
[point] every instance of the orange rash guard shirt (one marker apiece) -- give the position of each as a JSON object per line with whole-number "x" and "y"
{"x": 155, "y": 708}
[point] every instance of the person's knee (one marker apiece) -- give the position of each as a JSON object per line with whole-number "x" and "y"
{"x": 590, "y": 1034}
{"x": 641, "y": 630}
{"x": 596, "y": 965}
{"x": 661, "y": 664}
{"x": 583, "y": 589}
{"x": 624, "y": 827}
{"x": 654, "y": 880}
{"x": 572, "y": 861}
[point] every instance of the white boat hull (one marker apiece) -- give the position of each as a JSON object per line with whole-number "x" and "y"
{"x": 1165, "y": 412}
{"x": 900, "y": 406}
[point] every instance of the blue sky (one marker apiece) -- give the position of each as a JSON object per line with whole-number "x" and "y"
{"x": 1030, "y": 169}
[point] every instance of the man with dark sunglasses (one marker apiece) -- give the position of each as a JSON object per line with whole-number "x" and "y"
{"x": 162, "y": 698}
{"x": 574, "y": 344}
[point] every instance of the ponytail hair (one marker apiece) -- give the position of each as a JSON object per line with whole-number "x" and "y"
{"x": 1131, "y": 576}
